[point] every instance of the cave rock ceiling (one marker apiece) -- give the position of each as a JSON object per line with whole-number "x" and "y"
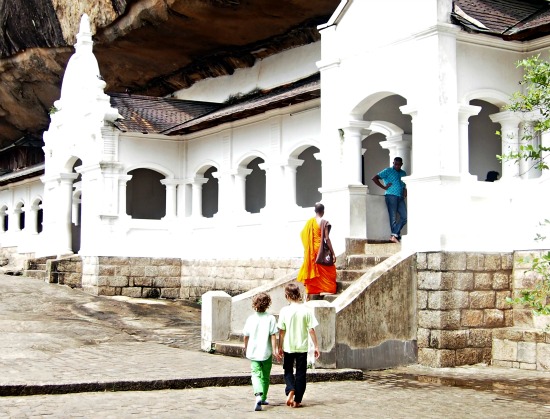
{"x": 147, "y": 47}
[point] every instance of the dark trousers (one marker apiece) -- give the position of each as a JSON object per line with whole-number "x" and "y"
{"x": 295, "y": 382}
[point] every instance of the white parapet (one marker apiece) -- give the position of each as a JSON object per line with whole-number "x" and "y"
{"x": 215, "y": 318}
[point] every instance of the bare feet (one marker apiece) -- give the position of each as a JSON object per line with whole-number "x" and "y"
{"x": 290, "y": 398}
{"x": 393, "y": 239}
{"x": 296, "y": 404}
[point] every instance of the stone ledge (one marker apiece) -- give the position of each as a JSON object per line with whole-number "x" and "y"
{"x": 519, "y": 334}
{"x": 316, "y": 375}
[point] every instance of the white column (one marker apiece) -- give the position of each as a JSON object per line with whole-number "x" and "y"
{"x": 351, "y": 153}
{"x": 274, "y": 178}
{"x": 31, "y": 221}
{"x": 196, "y": 199}
{"x": 58, "y": 191}
{"x": 14, "y": 226}
{"x": 399, "y": 146}
{"x": 225, "y": 193}
{"x": 122, "y": 184}
{"x": 422, "y": 152}
{"x": 109, "y": 175}
{"x": 240, "y": 189}
{"x": 464, "y": 113}
{"x": 290, "y": 167}
{"x": 509, "y": 123}
{"x": 171, "y": 202}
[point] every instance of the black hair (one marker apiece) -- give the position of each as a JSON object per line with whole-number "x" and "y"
{"x": 319, "y": 208}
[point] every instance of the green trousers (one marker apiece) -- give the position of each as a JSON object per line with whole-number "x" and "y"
{"x": 261, "y": 370}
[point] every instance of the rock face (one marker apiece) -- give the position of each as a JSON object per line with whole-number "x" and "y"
{"x": 150, "y": 47}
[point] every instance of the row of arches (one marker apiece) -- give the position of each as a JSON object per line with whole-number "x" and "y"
{"x": 146, "y": 195}
{"x": 16, "y": 218}
{"x": 484, "y": 143}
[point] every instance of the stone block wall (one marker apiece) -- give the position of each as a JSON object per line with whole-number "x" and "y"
{"x": 234, "y": 276}
{"x": 527, "y": 349}
{"x": 461, "y": 300}
{"x": 65, "y": 272}
{"x": 132, "y": 277}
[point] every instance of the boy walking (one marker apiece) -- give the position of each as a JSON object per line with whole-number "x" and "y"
{"x": 259, "y": 334}
{"x": 296, "y": 323}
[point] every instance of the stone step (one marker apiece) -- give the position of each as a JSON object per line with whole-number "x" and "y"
{"x": 35, "y": 273}
{"x": 382, "y": 249}
{"x": 349, "y": 275}
{"x": 342, "y": 286}
{"x": 371, "y": 247}
{"x": 363, "y": 262}
{"x": 233, "y": 347}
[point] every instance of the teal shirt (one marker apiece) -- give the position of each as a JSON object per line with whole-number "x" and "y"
{"x": 259, "y": 327}
{"x": 296, "y": 319}
{"x": 390, "y": 175}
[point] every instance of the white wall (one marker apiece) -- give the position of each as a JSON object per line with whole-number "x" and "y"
{"x": 26, "y": 192}
{"x": 287, "y": 66}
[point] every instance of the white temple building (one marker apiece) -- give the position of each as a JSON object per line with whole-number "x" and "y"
{"x": 193, "y": 177}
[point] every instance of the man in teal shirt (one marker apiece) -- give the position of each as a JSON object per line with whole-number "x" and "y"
{"x": 396, "y": 192}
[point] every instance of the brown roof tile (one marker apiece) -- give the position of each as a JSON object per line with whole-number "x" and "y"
{"x": 264, "y": 100}
{"x": 509, "y": 19}
{"x": 147, "y": 114}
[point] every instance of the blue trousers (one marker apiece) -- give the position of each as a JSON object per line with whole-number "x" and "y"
{"x": 295, "y": 382}
{"x": 396, "y": 206}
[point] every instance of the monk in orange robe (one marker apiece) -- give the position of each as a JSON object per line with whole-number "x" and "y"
{"x": 317, "y": 278}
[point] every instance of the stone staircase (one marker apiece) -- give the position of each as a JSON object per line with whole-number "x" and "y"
{"x": 36, "y": 268}
{"x": 63, "y": 271}
{"x": 359, "y": 257}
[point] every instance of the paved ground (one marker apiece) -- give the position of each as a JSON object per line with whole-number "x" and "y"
{"x": 71, "y": 350}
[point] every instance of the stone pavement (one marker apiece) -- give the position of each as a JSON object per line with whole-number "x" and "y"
{"x": 73, "y": 351}
{"x": 54, "y": 339}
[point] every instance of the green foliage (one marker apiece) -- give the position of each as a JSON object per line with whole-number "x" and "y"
{"x": 538, "y": 297}
{"x": 534, "y": 99}
{"x": 53, "y": 110}
{"x": 534, "y": 102}
{"x": 241, "y": 97}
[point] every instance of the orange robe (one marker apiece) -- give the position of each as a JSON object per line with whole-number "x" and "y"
{"x": 316, "y": 278}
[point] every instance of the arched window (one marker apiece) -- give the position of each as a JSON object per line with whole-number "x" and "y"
{"x": 255, "y": 187}
{"x": 308, "y": 179}
{"x": 210, "y": 194}
{"x": 39, "y": 217}
{"x": 4, "y": 218}
{"x": 21, "y": 216}
{"x": 145, "y": 195}
{"x": 484, "y": 143}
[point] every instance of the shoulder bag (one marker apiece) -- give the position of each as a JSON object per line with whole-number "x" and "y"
{"x": 324, "y": 256}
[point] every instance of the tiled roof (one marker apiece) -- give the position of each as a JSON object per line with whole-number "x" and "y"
{"x": 26, "y": 173}
{"x": 150, "y": 115}
{"x": 509, "y": 19}
{"x": 262, "y": 101}
{"x": 175, "y": 117}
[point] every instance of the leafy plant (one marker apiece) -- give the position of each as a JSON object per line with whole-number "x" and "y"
{"x": 534, "y": 103}
{"x": 53, "y": 110}
{"x": 537, "y": 298}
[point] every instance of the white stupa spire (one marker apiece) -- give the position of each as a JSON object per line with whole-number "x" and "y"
{"x": 82, "y": 80}
{"x": 84, "y": 36}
